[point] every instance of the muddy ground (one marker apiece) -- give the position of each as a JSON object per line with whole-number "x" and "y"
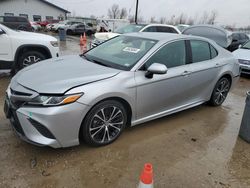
{"x": 195, "y": 148}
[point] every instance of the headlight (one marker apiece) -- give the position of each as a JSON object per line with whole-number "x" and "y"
{"x": 43, "y": 100}
{"x": 245, "y": 62}
{"x": 54, "y": 43}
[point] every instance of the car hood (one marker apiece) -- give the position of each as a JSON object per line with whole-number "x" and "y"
{"x": 105, "y": 35}
{"x": 56, "y": 76}
{"x": 33, "y": 36}
{"x": 242, "y": 54}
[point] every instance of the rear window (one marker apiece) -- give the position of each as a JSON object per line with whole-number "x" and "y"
{"x": 200, "y": 50}
{"x": 165, "y": 29}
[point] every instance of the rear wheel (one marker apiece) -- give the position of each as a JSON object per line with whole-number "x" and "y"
{"x": 29, "y": 58}
{"x": 104, "y": 123}
{"x": 220, "y": 91}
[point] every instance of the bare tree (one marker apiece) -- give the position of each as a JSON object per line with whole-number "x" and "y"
{"x": 212, "y": 17}
{"x": 114, "y": 12}
{"x": 162, "y": 20}
{"x": 152, "y": 20}
{"x": 204, "y": 18}
{"x": 124, "y": 13}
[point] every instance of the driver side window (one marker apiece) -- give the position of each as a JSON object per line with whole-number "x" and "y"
{"x": 171, "y": 55}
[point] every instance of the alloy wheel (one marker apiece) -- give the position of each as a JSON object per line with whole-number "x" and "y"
{"x": 221, "y": 91}
{"x": 106, "y": 124}
{"x": 30, "y": 60}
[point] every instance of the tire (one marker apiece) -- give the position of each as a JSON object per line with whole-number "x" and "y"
{"x": 22, "y": 28}
{"x": 105, "y": 129}
{"x": 89, "y": 33}
{"x": 29, "y": 58}
{"x": 69, "y": 32}
{"x": 220, "y": 91}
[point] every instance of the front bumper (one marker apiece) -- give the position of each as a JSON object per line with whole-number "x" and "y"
{"x": 245, "y": 69}
{"x": 47, "y": 126}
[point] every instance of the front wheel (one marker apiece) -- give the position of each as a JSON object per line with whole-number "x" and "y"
{"x": 104, "y": 123}
{"x": 220, "y": 91}
{"x": 29, "y": 58}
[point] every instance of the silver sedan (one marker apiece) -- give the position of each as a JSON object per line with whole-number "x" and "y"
{"x": 128, "y": 80}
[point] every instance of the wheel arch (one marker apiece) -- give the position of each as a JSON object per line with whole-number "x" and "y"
{"x": 124, "y": 102}
{"x": 23, "y": 48}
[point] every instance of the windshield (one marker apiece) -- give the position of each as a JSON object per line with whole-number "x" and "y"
{"x": 122, "y": 52}
{"x": 129, "y": 29}
{"x": 247, "y": 45}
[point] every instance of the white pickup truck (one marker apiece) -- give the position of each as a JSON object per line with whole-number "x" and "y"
{"x": 19, "y": 49}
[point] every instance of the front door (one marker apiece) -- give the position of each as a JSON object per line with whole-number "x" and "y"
{"x": 166, "y": 92}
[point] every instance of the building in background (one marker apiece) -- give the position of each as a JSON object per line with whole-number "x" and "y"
{"x": 34, "y": 10}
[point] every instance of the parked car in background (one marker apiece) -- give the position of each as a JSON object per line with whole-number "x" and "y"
{"x": 79, "y": 29}
{"x": 63, "y": 24}
{"x": 128, "y": 80}
{"x": 35, "y": 26}
{"x": 181, "y": 27}
{"x": 101, "y": 37}
{"x": 20, "y": 49}
{"x": 16, "y": 22}
{"x": 46, "y": 22}
{"x": 221, "y": 36}
{"x": 243, "y": 55}
{"x": 110, "y": 25}
{"x": 237, "y": 39}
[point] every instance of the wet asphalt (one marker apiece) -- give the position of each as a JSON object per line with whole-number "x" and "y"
{"x": 195, "y": 148}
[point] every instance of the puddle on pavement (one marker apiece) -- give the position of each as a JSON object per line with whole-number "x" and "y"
{"x": 194, "y": 148}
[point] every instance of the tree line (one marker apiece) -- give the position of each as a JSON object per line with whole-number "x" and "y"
{"x": 115, "y": 12}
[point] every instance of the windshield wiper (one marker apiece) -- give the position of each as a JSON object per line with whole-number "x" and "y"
{"x": 245, "y": 48}
{"x": 100, "y": 63}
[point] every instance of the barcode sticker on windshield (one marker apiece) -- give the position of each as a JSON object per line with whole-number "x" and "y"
{"x": 131, "y": 50}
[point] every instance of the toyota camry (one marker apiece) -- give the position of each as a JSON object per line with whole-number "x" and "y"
{"x": 128, "y": 80}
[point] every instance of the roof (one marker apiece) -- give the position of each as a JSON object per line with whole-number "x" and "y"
{"x": 158, "y": 36}
{"x": 55, "y": 6}
{"x": 165, "y": 37}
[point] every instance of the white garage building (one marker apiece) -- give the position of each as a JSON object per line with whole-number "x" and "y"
{"x": 34, "y": 10}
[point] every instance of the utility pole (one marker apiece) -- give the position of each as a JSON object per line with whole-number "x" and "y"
{"x": 136, "y": 11}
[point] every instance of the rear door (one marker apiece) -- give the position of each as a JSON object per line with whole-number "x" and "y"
{"x": 205, "y": 68}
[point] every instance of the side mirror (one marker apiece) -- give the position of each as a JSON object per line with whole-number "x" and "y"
{"x": 240, "y": 46}
{"x": 1, "y": 32}
{"x": 156, "y": 68}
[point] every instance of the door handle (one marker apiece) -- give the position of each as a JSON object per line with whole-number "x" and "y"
{"x": 186, "y": 73}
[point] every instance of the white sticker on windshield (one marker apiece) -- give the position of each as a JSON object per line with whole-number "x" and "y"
{"x": 131, "y": 50}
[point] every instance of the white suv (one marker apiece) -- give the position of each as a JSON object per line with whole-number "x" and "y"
{"x": 19, "y": 49}
{"x": 131, "y": 28}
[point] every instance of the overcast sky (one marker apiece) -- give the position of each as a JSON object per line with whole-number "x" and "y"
{"x": 229, "y": 11}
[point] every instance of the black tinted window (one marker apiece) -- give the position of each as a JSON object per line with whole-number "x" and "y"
{"x": 200, "y": 51}
{"x": 10, "y": 19}
{"x": 150, "y": 29}
{"x": 243, "y": 36}
{"x": 165, "y": 29}
{"x": 171, "y": 55}
{"x": 236, "y": 36}
{"x": 21, "y": 19}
